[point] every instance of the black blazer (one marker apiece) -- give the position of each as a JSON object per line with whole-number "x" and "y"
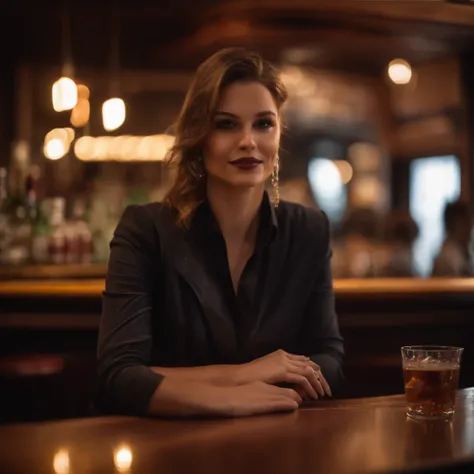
{"x": 162, "y": 308}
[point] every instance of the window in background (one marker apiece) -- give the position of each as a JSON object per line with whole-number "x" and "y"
{"x": 328, "y": 176}
{"x": 434, "y": 181}
{"x": 328, "y": 187}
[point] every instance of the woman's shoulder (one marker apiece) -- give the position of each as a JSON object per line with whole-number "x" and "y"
{"x": 306, "y": 230}
{"x": 142, "y": 222}
{"x": 302, "y": 218}
{"x": 142, "y": 215}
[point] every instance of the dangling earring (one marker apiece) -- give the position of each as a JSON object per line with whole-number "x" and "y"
{"x": 197, "y": 168}
{"x": 275, "y": 183}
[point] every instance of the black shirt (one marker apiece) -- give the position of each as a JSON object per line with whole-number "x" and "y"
{"x": 243, "y": 304}
{"x": 169, "y": 299}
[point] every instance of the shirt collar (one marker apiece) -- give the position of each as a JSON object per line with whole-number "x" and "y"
{"x": 204, "y": 223}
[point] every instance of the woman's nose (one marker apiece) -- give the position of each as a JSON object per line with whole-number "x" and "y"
{"x": 247, "y": 140}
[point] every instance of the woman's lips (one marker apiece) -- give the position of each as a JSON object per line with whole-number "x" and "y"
{"x": 246, "y": 163}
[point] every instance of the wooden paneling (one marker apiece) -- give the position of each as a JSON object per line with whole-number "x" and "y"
{"x": 435, "y": 87}
{"x": 429, "y": 113}
{"x": 171, "y": 33}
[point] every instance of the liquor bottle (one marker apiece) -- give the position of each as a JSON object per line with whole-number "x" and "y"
{"x": 57, "y": 238}
{"x": 40, "y": 235}
{"x": 5, "y": 232}
{"x": 78, "y": 235}
{"x": 19, "y": 222}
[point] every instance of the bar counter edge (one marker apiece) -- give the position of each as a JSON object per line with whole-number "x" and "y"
{"x": 93, "y": 287}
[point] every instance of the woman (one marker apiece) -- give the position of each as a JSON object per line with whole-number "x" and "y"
{"x": 219, "y": 301}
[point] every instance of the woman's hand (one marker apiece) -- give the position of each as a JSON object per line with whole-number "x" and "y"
{"x": 177, "y": 396}
{"x": 282, "y": 367}
{"x": 252, "y": 399}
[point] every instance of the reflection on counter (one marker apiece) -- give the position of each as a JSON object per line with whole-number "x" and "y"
{"x": 123, "y": 458}
{"x": 61, "y": 462}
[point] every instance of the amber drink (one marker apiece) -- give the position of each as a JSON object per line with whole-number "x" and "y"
{"x": 431, "y": 376}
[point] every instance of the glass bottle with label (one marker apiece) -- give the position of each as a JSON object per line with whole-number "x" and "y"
{"x": 57, "y": 238}
{"x": 19, "y": 221}
{"x": 79, "y": 236}
{"x": 41, "y": 235}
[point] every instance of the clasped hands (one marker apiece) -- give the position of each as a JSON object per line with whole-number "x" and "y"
{"x": 276, "y": 382}
{"x": 283, "y": 369}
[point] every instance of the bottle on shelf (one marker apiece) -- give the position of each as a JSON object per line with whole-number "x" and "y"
{"x": 78, "y": 235}
{"x": 57, "y": 241}
{"x": 4, "y": 216}
{"x": 18, "y": 211}
{"x": 41, "y": 235}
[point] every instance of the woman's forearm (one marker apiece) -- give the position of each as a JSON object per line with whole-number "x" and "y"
{"x": 223, "y": 375}
{"x": 177, "y": 396}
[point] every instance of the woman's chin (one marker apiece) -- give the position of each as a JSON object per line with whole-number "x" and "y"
{"x": 248, "y": 181}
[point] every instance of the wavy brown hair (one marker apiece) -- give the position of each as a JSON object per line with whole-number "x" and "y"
{"x": 195, "y": 120}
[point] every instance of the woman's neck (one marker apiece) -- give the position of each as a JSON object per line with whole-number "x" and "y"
{"x": 236, "y": 210}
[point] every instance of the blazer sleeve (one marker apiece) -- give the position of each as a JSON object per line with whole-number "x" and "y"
{"x": 320, "y": 338}
{"x": 125, "y": 380}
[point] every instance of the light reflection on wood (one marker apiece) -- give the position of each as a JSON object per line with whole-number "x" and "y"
{"x": 378, "y": 286}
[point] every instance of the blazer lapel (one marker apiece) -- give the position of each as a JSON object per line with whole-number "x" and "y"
{"x": 187, "y": 259}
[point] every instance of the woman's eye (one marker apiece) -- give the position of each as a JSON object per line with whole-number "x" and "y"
{"x": 264, "y": 124}
{"x": 225, "y": 124}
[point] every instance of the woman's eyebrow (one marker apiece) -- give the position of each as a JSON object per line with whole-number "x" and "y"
{"x": 263, "y": 113}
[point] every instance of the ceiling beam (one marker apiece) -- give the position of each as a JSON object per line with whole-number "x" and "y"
{"x": 424, "y": 11}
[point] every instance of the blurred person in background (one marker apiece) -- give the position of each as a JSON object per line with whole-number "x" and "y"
{"x": 400, "y": 233}
{"x": 355, "y": 251}
{"x": 219, "y": 301}
{"x": 454, "y": 259}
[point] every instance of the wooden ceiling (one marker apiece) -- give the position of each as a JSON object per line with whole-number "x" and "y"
{"x": 360, "y": 36}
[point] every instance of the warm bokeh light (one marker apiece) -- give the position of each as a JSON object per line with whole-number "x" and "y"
{"x": 399, "y": 71}
{"x": 365, "y": 157}
{"x": 61, "y": 462}
{"x": 123, "y": 148}
{"x": 55, "y": 149}
{"x": 83, "y": 92}
{"x": 80, "y": 113}
{"x": 57, "y": 142}
{"x": 299, "y": 83}
{"x": 113, "y": 113}
{"x": 65, "y": 134}
{"x": 292, "y": 76}
{"x": 345, "y": 170}
{"x": 123, "y": 459}
{"x": 64, "y": 94}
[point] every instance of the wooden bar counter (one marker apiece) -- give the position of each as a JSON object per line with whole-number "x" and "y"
{"x": 337, "y": 437}
{"x": 377, "y": 287}
{"x": 376, "y": 317}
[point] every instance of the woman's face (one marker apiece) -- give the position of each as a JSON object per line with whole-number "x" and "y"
{"x": 242, "y": 146}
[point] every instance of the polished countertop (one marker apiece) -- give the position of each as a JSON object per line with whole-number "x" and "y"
{"x": 93, "y": 287}
{"x": 337, "y": 437}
